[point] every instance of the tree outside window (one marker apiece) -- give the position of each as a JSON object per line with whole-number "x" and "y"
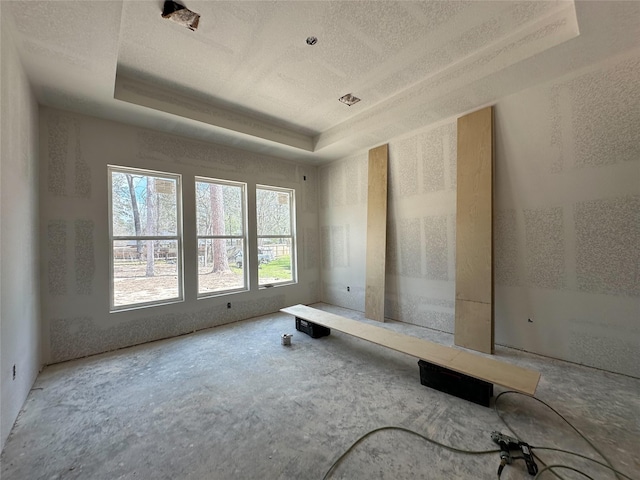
{"x": 275, "y": 215}
{"x": 146, "y": 237}
{"x": 221, "y": 232}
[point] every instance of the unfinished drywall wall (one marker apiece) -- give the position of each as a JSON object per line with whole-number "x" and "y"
{"x": 343, "y": 231}
{"x": 566, "y": 226}
{"x": 75, "y": 236}
{"x": 421, "y": 211}
{"x": 19, "y": 272}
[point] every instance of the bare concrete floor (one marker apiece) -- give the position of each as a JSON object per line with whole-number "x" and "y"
{"x": 233, "y": 403}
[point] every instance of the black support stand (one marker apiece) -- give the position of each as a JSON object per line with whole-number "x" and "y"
{"x": 455, "y": 383}
{"x": 312, "y": 329}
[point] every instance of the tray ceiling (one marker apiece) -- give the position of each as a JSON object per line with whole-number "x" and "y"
{"x": 247, "y": 77}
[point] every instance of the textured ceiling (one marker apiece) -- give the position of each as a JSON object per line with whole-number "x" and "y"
{"x": 247, "y": 77}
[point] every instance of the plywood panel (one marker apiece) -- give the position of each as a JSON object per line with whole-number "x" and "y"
{"x": 474, "y": 325}
{"x": 376, "y": 233}
{"x": 507, "y": 375}
{"x": 474, "y": 232}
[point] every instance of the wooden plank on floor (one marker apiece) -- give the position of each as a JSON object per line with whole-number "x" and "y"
{"x": 474, "y": 232}
{"x": 376, "y": 233}
{"x": 488, "y": 369}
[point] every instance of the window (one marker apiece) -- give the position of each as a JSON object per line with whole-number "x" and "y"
{"x": 275, "y": 215}
{"x": 220, "y": 213}
{"x": 146, "y": 237}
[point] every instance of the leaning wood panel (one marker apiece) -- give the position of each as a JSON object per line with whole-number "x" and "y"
{"x": 376, "y": 233}
{"x": 474, "y": 324}
{"x": 474, "y": 232}
{"x": 488, "y": 369}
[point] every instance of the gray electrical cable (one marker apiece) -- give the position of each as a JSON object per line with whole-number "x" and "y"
{"x": 402, "y": 429}
{"x": 580, "y": 434}
{"x": 550, "y": 467}
{"x": 546, "y": 467}
{"x": 585, "y": 457}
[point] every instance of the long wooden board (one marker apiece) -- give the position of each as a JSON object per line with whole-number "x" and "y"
{"x": 474, "y": 232}
{"x": 490, "y": 370}
{"x": 376, "y": 233}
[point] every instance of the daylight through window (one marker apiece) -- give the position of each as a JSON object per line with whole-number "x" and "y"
{"x": 275, "y": 215}
{"x": 146, "y": 237}
{"x": 220, "y": 210}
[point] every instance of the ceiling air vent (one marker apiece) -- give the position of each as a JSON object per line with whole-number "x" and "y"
{"x": 349, "y": 99}
{"x": 180, "y": 14}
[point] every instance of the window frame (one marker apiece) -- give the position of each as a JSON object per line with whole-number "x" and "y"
{"x": 178, "y": 237}
{"x": 243, "y": 237}
{"x": 292, "y": 234}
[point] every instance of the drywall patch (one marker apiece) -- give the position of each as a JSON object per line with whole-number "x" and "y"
{"x": 452, "y": 153}
{"x": 363, "y": 167}
{"x": 172, "y": 148}
{"x": 80, "y": 336}
{"x": 57, "y": 257}
{"x": 342, "y": 60}
{"x": 273, "y": 169}
{"x": 477, "y": 37}
{"x": 356, "y": 173}
{"x": 436, "y": 247}
{"x": 338, "y": 184}
{"x": 608, "y": 245}
{"x": 339, "y": 246}
{"x": 471, "y": 70}
{"x": 432, "y": 150}
{"x": 435, "y": 14}
{"x": 220, "y": 315}
{"x": 545, "y": 250}
{"x": 506, "y": 248}
{"x": 605, "y": 115}
{"x": 442, "y": 321}
{"x": 403, "y": 168}
{"x": 451, "y": 246}
{"x": 64, "y": 144}
{"x": 435, "y": 313}
{"x": 597, "y": 348}
{"x": 85, "y": 258}
{"x": 528, "y": 11}
{"x": 452, "y": 243}
{"x": 324, "y": 188}
{"x": 310, "y": 248}
{"x": 556, "y": 129}
{"x": 347, "y": 244}
{"x": 432, "y": 15}
{"x": 352, "y": 173}
{"x": 70, "y": 338}
{"x": 392, "y": 258}
{"x": 325, "y": 233}
{"x": 336, "y": 294}
{"x": 58, "y": 140}
{"x": 82, "y": 170}
{"x": 310, "y": 185}
{"x": 410, "y": 247}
